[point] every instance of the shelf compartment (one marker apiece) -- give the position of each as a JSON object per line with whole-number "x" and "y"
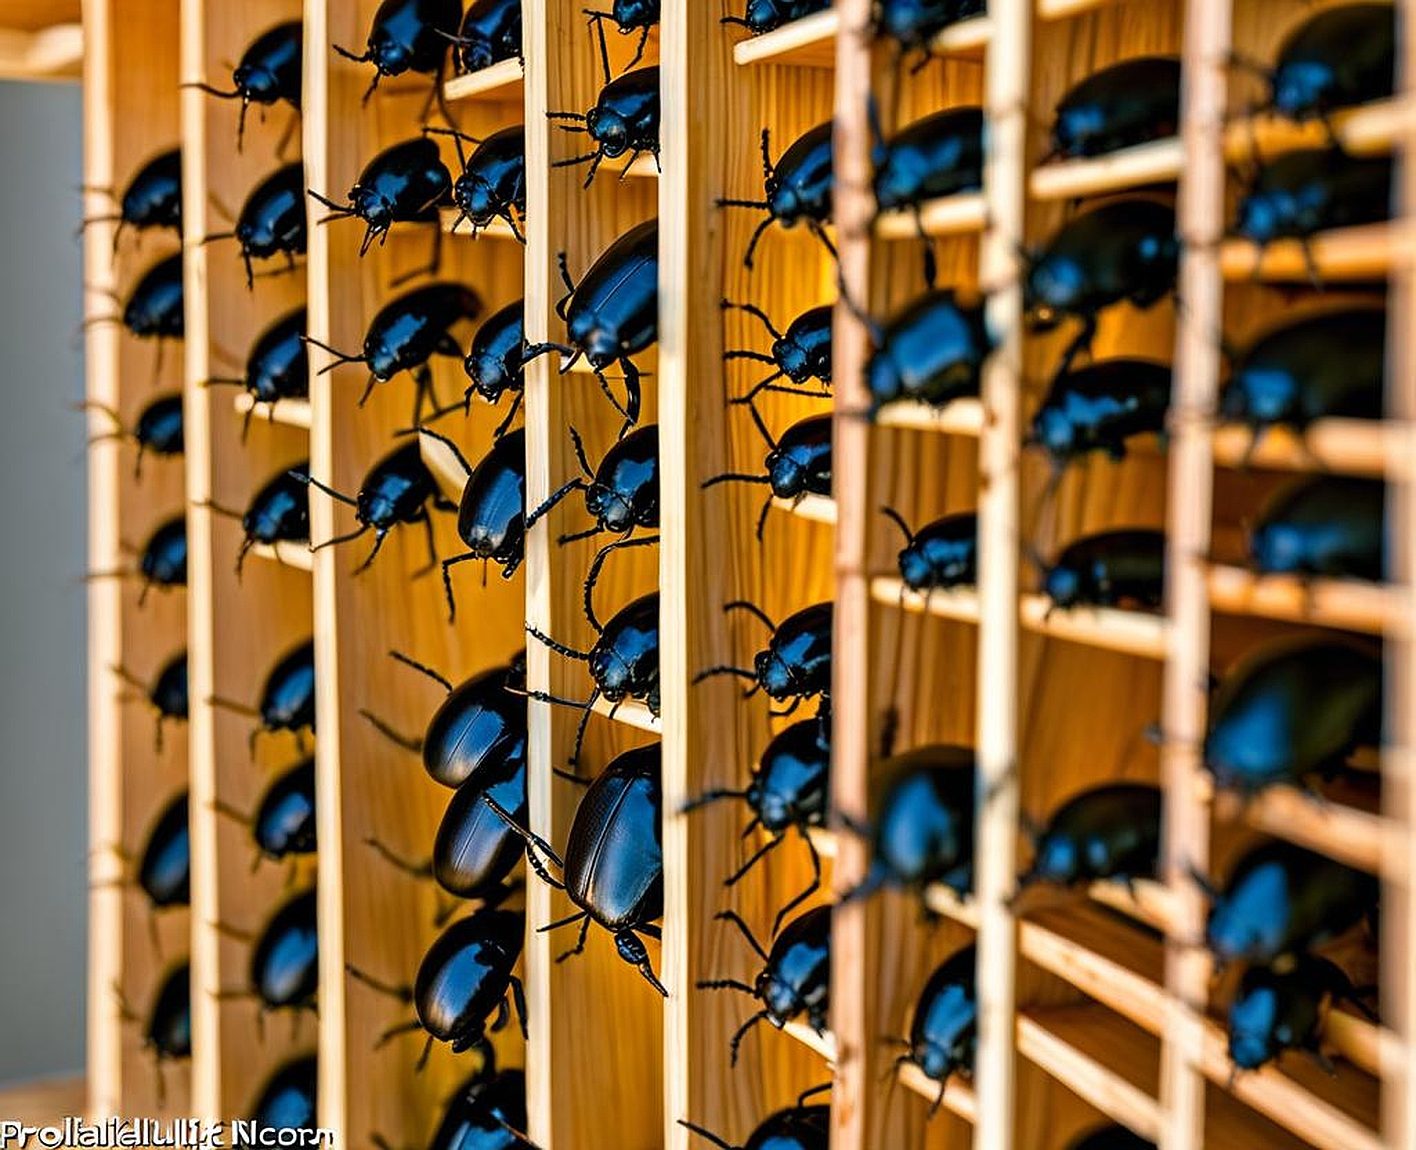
{"x": 811, "y": 41}
{"x": 959, "y": 604}
{"x": 1358, "y": 253}
{"x": 1373, "y": 608}
{"x": 1130, "y": 632}
{"x": 504, "y": 80}
{"x": 1345, "y": 446}
{"x": 948, "y": 216}
{"x": 290, "y": 412}
{"x": 962, "y": 417}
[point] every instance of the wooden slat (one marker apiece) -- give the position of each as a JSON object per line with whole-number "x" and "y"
{"x": 52, "y": 53}
{"x": 1133, "y": 632}
{"x": 1351, "y": 254}
{"x": 1346, "y": 446}
{"x": 502, "y": 81}
{"x": 811, "y": 41}
{"x": 1354, "y": 606}
{"x": 950, "y": 216}
{"x": 291, "y": 412}
{"x": 958, "y": 1097}
{"x": 962, "y": 417}
{"x": 287, "y": 554}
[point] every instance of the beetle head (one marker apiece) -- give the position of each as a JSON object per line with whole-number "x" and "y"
{"x": 1254, "y": 1030}
{"x": 599, "y": 343}
{"x": 882, "y": 377}
{"x": 608, "y": 129}
{"x": 896, "y": 186}
{"x": 774, "y": 675}
{"x": 610, "y": 671}
{"x": 1075, "y": 126}
{"x": 761, "y": 15}
{"x": 1299, "y": 87}
{"x": 779, "y": 997}
{"x": 1266, "y": 214}
{"x": 1054, "y": 432}
{"x": 610, "y": 508}
{"x": 787, "y": 474}
{"x": 475, "y": 197}
{"x": 1063, "y": 585}
{"x": 492, "y": 375}
{"x": 383, "y": 361}
{"x": 1058, "y": 860}
{"x": 1260, "y": 395}
{"x": 783, "y": 203}
{"x": 256, "y": 235}
{"x": 1051, "y": 291}
{"x": 630, "y": 15}
{"x": 390, "y": 55}
{"x": 256, "y": 83}
{"x": 915, "y": 568}
{"x": 938, "y": 1061}
{"x": 372, "y": 207}
{"x": 791, "y": 358}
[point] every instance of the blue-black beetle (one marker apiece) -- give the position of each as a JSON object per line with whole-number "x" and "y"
{"x": 1108, "y": 832}
{"x": 284, "y": 823}
{"x": 1322, "y": 525}
{"x": 796, "y": 189}
{"x": 277, "y": 367}
{"x": 796, "y": 663}
{"x": 939, "y": 155}
{"x": 613, "y": 312}
{"x": 1124, "y": 250}
{"x": 397, "y": 489}
{"x": 801, "y": 353}
{"x": 1110, "y": 1138}
{"x": 408, "y": 36}
{"x": 1125, "y": 565}
{"x": 163, "y": 560}
{"x": 153, "y": 309}
{"x": 166, "y": 694}
{"x": 931, "y": 351}
{"x": 287, "y": 698}
{"x": 1276, "y": 1009}
{"x": 914, "y": 24}
{"x": 278, "y": 513}
{"x": 496, "y": 360}
{"x": 1282, "y": 899}
{"x": 159, "y": 428}
{"x": 921, "y": 827}
{"x": 1303, "y": 192}
{"x": 1127, "y": 103}
{"x": 623, "y": 662}
{"x": 168, "y": 1031}
{"x": 1100, "y": 406}
{"x": 285, "y": 960}
{"x": 152, "y": 199}
{"x": 944, "y": 1029}
{"x": 628, "y": 17}
{"x": 788, "y": 790}
{"x": 287, "y": 1101}
{"x": 625, "y": 118}
{"x": 797, "y": 465}
{"x": 405, "y": 183}
{"x": 799, "y": 1127}
{"x": 269, "y": 71}
{"x": 1332, "y": 364}
{"x": 492, "y": 184}
{"x": 488, "y": 1112}
{"x": 1338, "y": 57}
{"x": 272, "y": 220}
{"x": 1291, "y": 709}
{"x": 795, "y": 977}
{"x": 940, "y": 555}
{"x": 768, "y": 15}
{"x": 490, "y": 33}
{"x": 165, "y": 869}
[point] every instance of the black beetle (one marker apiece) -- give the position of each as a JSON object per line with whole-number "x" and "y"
{"x": 625, "y": 118}
{"x": 279, "y": 512}
{"x": 269, "y": 71}
{"x": 921, "y": 829}
{"x": 939, "y": 155}
{"x": 277, "y": 367}
{"x": 488, "y": 1112}
{"x": 613, "y": 312}
{"x": 1322, "y": 525}
{"x": 287, "y": 1101}
{"x": 1107, "y": 832}
{"x": 163, "y": 561}
{"x": 1282, "y": 899}
{"x": 272, "y": 220}
{"x": 406, "y": 333}
{"x": 1332, "y": 364}
{"x": 480, "y": 726}
{"x": 768, "y": 15}
{"x": 796, "y": 189}
{"x": 1111, "y": 1138}
{"x": 1275, "y": 1009}
{"x": 152, "y": 199}
{"x": 797, "y": 1128}
{"x": 1123, "y": 250}
{"x": 797, "y": 465}
{"x": 404, "y": 183}
{"x": 914, "y": 24}
{"x": 496, "y": 360}
{"x": 788, "y": 790}
{"x": 284, "y": 823}
{"x": 623, "y": 662}
{"x": 613, "y": 868}
{"x": 1303, "y": 192}
{"x": 1291, "y": 709}
{"x": 154, "y": 307}
{"x": 490, "y": 33}
{"x": 408, "y": 36}
{"x": 621, "y": 494}
{"x": 1100, "y": 406}
{"x": 1127, "y": 103}
{"x": 159, "y": 428}
{"x": 492, "y": 511}
{"x": 944, "y": 1029}
{"x": 932, "y": 351}
{"x": 628, "y": 17}
{"x": 1107, "y": 569}
{"x": 795, "y": 977}
{"x": 168, "y": 1033}
{"x": 939, "y": 556}
{"x": 397, "y": 489}
{"x": 285, "y": 961}
{"x": 287, "y": 698}
{"x": 801, "y": 353}
{"x": 165, "y": 870}
{"x": 1338, "y": 57}
{"x": 492, "y": 185}
{"x": 166, "y": 694}
{"x": 796, "y": 663}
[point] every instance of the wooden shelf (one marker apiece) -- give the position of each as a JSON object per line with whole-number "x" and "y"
{"x": 286, "y": 554}
{"x": 960, "y": 604}
{"x": 949, "y": 216}
{"x": 962, "y": 417}
{"x": 1344, "y": 446}
{"x": 1343, "y": 254}
{"x": 631, "y": 713}
{"x": 1066, "y": 9}
{"x": 1373, "y": 608}
{"x": 816, "y": 508}
{"x": 1131, "y": 632}
{"x": 53, "y": 53}
{"x": 959, "y": 1097}
{"x": 943, "y": 901}
{"x": 289, "y": 412}
{"x": 823, "y": 1044}
{"x": 1358, "y": 837}
{"x": 502, "y": 81}
{"x": 811, "y": 41}
{"x": 1158, "y": 161}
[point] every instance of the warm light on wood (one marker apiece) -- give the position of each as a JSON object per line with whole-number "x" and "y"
{"x": 502, "y": 81}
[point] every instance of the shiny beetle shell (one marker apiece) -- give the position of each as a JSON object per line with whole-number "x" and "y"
{"x": 922, "y": 825}
{"x": 287, "y": 1102}
{"x": 1322, "y": 525}
{"x": 466, "y": 974}
{"x": 1111, "y": 831}
{"x": 614, "y": 310}
{"x": 931, "y": 351}
{"x": 285, "y": 959}
{"x": 491, "y": 516}
{"x": 1338, "y": 57}
{"x": 944, "y": 1028}
{"x": 168, "y": 1032}
{"x": 284, "y": 824}
{"x": 1127, "y": 103}
{"x": 165, "y": 869}
{"x": 1100, "y": 406}
{"x": 480, "y": 727}
{"x": 1110, "y": 568}
{"x": 154, "y": 307}
{"x": 288, "y": 697}
{"x": 939, "y": 155}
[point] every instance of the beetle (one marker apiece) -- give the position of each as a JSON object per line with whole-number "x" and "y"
{"x": 396, "y": 490}
{"x": 796, "y": 663}
{"x": 801, "y": 353}
{"x": 285, "y": 960}
{"x": 1111, "y": 1137}
{"x": 492, "y": 185}
{"x": 914, "y": 24}
{"x": 931, "y": 351}
{"x": 165, "y": 870}
{"x": 944, "y": 1029}
{"x": 939, "y": 155}
{"x": 405, "y": 183}
{"x": 277, "y": 367}
{"x": 623, "y": 663}
{"x": 799, "y": 1127}
{"x": 1331, "y": 364}
{"x": 406, "y": 333}
{"x": 620, "y": 495}
{"x": 1300, "y": 193}
{"x": 761, "y": 16}
{"x": 166, "y": 694}
{"x": 612, "y": 313}
{"x": 1109, "y": 832}
{"x": 287, "y": 1101}
{"x": 492, "y": 511}
{"x": 625, "y": 118}
{"x": 495, "y": 361}
{"x": 1338, "y": 57}
{"x": 163, "y": 562}
{"x": 797, "y": 465}
{"x": 408, "y": 36}
{"x": 1322, "y": 525}
{"x": 1124, "y": 104}
{"x": 287, "y": 698}
{"x": 1124, "y": 250}
{"x": 272, "y": 220}
{"x": 613, "y": 869}
{"x": 159, "y": 428}
{"x": 284, "y": 823}
{"x": 1097, "y": 408}
{"x": 939, "y": 556}
{"x": 269, "y": 71}
{"x": 795, "y": 977}
{"x": 1108, "y": 569}
{"x": 490, "y": 33}
{"x": 152, "y": 199}
{"x": 279, "y": 512}
{"x": 153, "y": 309}
{"x": 488, "y": 1112}
{"x": 1290, "y": 709}
{"x": 465, "y": 975}
{"x": 921, "y": 828}
{"x": 787, "y": 790}
{"x": 1282, "y": 899}
{"x": 796, "y": 189}
{"x": 628, "y": 16}
{"x": 479, "y": 727}
{"x": 1275, "y": 1009}
{"x": 168, "y": 1032}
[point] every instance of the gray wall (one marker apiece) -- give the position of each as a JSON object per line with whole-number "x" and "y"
{"x": 42, "y": 700}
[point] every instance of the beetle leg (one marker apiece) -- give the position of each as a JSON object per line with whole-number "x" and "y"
{"x": 412, "y": 869}
{"x": 559, "y": 648}
{"x": 530, "y": 837}
{"x": 594, "y": 573}
{"x": 631, "y": 392}
{"x": 707, "y": 797}
{"x": 609, "y": 393}
{"x": 752, "y": 243}
{"x": 742, "y": 1030}
{"x": 379, "y": 537}
{"x": 501, "y": 428}
{"x": 432, "y": 547}
{"x": 740, "y": 672}
{"x": 767, "y": 169}
{"x": 569, "y": 284}
{"x": 518, "y": 998}
{"x": 395, "y": 1030}
{"x": 723, "y": 984}
{"x": 811, "y": 889}
{"x": 576, "y": 484}
{"x": 502, "y": 1018}
{"x": 820, "y": 233}
{"x": 733, "y": 917}
{"x": 762, "y": 515}
{"x": 579, "y": 947}
{"x": 447, "y": 580}
{"x": 790, "y": 709}
{"x": 684, "y": 1122}
{"x": 639, "y": 48}
{"x": 574, "y": 763}
{"x": 762, "y": 851}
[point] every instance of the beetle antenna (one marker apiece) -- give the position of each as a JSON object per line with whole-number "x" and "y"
{"x": 752, "y": 243}
{"x": 233, "y": 705}
{"x": 742, "y": 1033}
{"x": 762, "y": 426}
{"x": 734, "y": 477}
{"x": 555, "y": 497}
{"x": 404, "y": 741}
{"x": 202, "y": 86}
{"x": 217, "y": 508}
{"x": 708, "y": 797}
{"x": 222, "y": 381}
{"x": 899, "y": 520}
{"x": 339, "y": 357}
{"x": 348, "y": 55}
{"x": 684, "y": 1122}
{"x": 339, "y": 211}
{"x": 576, "y": 116}
{"x": 737, "y": 875}
{"x": 231, "y": 812}
{"x": 559, "y": 648}
{"x": 752, "y": 608}
{"x": 216, "y": 236}
{"x": 574, "y": 160}
{"x": 723, "y": 984}
{"x": 733, "y": 917}
{"x": 422, "y": 669}
{"x": 309, "y": 480}
{"x": 530, "y": 837}
{"x": 724, "y": 669}
{"x": 338, "y": 539}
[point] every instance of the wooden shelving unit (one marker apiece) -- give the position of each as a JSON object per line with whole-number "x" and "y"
{"x": 1095, "y": 1005}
